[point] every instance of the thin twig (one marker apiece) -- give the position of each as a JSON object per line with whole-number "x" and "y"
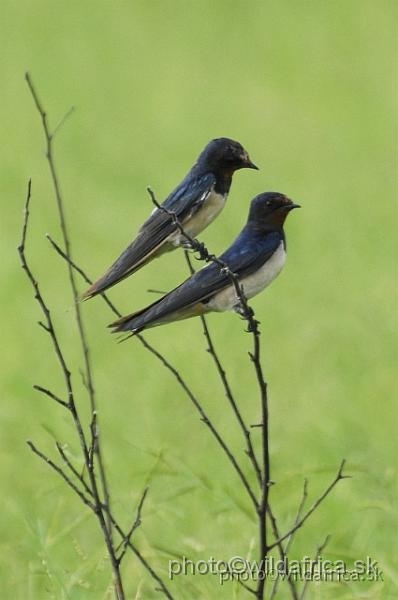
{"x": 282, "y": 554}
{"x": 49, "y": 324}
{"x": 246, "y": 587}
{"x": 62, "y": 121}
{"x": 227, "y": 388}
{"x": 126, "y": 538}
{"x": 163, "y": 588}
{"x": 203, "y": 417}
{"x": 315, "y": 505}
{"x": 291, "y": 538}
{"x": 50, "y": 329}
{"x": 94, "y": 508}
{"x": 73, "y": 469}
{"x": 49, "y": 137}
{"x": 135, "y": 525}
{"x": 62, "y": 473}
{"x": 299, "y": 513}
{"x": 51, "y": 394}
{"x": 320, "y": 549}
{"x": 93, "y": 447}
{"x": 264, "y": 506}
{"x": 84, "y": 275}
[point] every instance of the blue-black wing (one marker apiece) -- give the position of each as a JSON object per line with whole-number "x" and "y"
{"x": 246, "y": 255}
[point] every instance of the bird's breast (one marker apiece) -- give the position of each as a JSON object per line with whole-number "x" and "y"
{"x": 252, "y": 284}
{"x": 210, "y": 209}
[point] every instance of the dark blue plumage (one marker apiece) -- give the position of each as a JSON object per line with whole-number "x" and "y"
{"x": 196, "y": 202}
{"x": 256, "y": 257}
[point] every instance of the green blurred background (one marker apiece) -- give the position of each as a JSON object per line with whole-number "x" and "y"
{"x": 310, "y": 89}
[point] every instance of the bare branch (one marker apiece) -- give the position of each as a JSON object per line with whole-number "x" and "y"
{"x": 49, "y": 137}
{"x": 102, "y": 510}
{"x": 48, "y": 326}
{"x": 82, "y": 273}
{"x": 135, "y": 525}
{"x": 246, "y": 587}
{"x": 51, "y": 394}
{"x": 63, "y": 121}
{"x": 93, "y": 447}
{"x": 315, "y": 505}
{"x": 282, "y": 554}
{"x": 299, "y": 513}
{"x": 73, "y": 469}
{"x": 290, "y": 541}
{"x": 318, "y": 551}
{"x": 227, "y": 388}
{"x": 264, "y": 508}
{"x": 203, "y": 416}
{"x": 94, "y": 508}
{"x": 61, "y": 212}
{"x": 50, "y": 329}
{"x": 68, "y": 260}
{"x": 62, "y": 473}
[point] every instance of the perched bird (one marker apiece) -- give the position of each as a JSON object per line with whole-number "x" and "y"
{"x": 256, "y": 257}
{"x": 196, "y": 202}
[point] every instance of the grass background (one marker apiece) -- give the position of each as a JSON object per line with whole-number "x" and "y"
{"x": 310, "y": 89}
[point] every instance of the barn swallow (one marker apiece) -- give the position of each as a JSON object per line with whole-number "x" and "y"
{"x": 256, "y": 256}
{"x": 196, "y": 202}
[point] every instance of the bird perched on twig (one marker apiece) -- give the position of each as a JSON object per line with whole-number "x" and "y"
{"x": 256, "y": 257}
{"x": 195, "y": 202}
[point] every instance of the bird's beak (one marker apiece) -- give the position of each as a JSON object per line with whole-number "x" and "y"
{"x": 248, "y": 163}
{"x": 293, "y": 205}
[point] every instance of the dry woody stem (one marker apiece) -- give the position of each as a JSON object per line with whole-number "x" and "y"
{"x": 94, "y": 493}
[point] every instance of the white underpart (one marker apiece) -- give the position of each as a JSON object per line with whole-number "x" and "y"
{"x": 252, "y": 284}
{"x": 211, "y": 207}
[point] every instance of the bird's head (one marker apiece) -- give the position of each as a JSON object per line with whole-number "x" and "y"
{"x": 225, "y": 155}
{"x": 270, "y": 209}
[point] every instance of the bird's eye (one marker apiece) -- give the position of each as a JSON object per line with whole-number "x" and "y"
{"x": 268, "y": 203}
